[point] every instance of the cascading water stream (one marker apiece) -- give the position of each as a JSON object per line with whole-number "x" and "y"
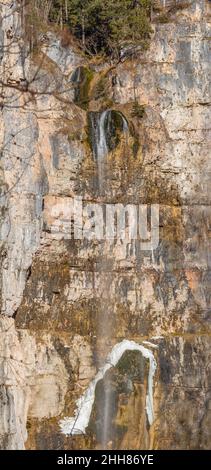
{"x": 101, "y": 148}
{"x": 102, "y": 130}
{"x": 106, "y": 416}
{"x": 106, "y": 130}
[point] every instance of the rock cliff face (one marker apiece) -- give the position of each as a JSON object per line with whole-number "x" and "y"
{"x": 67, "y": 303}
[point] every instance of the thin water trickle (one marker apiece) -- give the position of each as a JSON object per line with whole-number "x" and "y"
{"x": 106, "y": 416}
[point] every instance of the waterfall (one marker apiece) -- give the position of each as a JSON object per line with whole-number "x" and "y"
{"x": 104, "y": 127}
{"x": 100, "y": 148}
{"x": 105, "y": 131}
{"x": 101, "y": 143}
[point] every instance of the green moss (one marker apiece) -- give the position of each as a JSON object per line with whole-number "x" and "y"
{"x": 136, "y": 142}
{"x": 138, "y": 110}
{"x": 114, "y": 129}
{"x": 81, "y": 79}
{"x": 133, "y": 364}
{"x": 74, "y": 136}
{"x": 117, "y": 119}
{"x": 163, "y": 18}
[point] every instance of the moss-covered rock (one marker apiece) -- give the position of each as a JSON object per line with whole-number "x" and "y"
{"x": 81, "y": 79}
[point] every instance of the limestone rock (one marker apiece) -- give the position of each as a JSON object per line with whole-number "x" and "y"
{"x": 66, "y": 302}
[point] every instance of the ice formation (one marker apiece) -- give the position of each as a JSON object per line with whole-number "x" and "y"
{"x": 79, "y": 422}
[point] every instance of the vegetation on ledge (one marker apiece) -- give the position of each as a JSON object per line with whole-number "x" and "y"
{"x": 101, "y": 26}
